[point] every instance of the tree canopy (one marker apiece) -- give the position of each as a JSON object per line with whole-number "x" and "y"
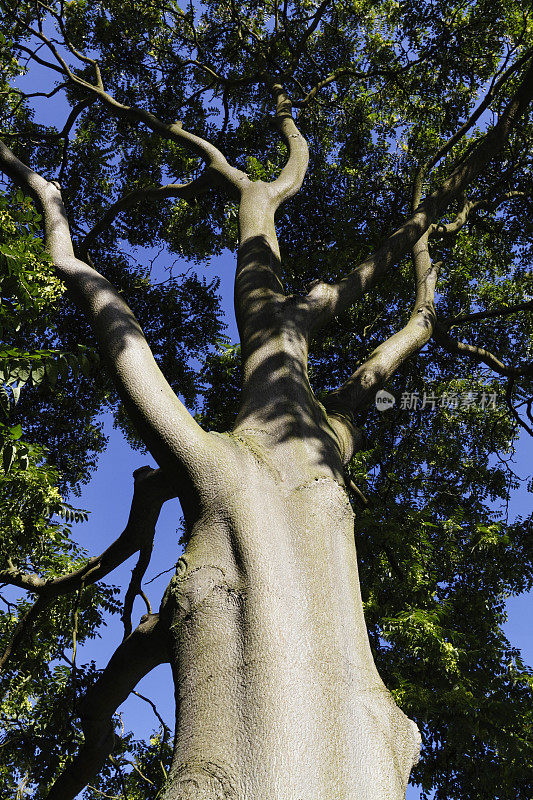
{"x": 418, "y": 121}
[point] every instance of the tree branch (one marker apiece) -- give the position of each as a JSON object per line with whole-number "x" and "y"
{"x": 314, "y": 23}
{"x": 516, "y": 416}
{"x": 168, "y": 430}
{"x": 164, "y": 726}
{"x": 134, "y": 588}
{"x": 496, "y": 85}
{"x": 62, "y": 134}
{"x": 480, "y": 355}
{"x": 221, "y": 79}
{"x": 34, "y": 57}
{"x": 229, "y": 176}
{"x": 23, "y": 627}
{"x": 29, "y": 95}
{"x": 62, "y": 64}
{"x": 143, "y": 650}
{"x": 360, "y": 389}
{"x": 507, "y": 311}
{"x": 186, "y": 191}
{"x": 349, "y": 70}
{"x": 151, "y": 490}
{"x": 325, "y": 300}
{"x": 468, "y": 209}
{"x": 85, "y": 59}
{"x": 293, "y": 173}
{"x": 424, "y": 169}
{"x": 257, "y": 282}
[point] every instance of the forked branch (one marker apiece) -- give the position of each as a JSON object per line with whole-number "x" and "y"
{"x": 151, "y": 490}
{"x": 138, "y": 655}
{"x": 258, "y": 287}
{"x": 173, "y": 437}
{"x": 326, "y": 300}
{"x": 467, "y": 212}
{"x": 210, "y": 154}
{"x": 293, "y": 173}
{"x": 360, "y": 389}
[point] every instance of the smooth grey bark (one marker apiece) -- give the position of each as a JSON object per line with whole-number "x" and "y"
{"x": 277, "y": 695}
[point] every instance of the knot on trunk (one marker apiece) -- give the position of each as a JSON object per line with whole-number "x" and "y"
{"x": 191, "y": 587}
{"x": 201, "y": 780}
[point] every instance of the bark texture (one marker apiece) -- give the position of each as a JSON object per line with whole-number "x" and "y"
{"x": 277, "y": 694}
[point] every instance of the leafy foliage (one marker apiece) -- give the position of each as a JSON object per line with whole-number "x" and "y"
{"x": 38, "y": 708}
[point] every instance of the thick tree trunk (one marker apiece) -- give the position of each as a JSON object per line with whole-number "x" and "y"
{"x": 277, "y": 694}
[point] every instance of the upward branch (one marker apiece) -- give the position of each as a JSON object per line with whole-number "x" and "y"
{"x": 360, "y": 389}
{"x": 492, "y": 92}
{"x": 293, "y": 173}
{"x": 326, "y": 300}
{"x": 258, "y": 287}
{"x": 263, "y": 311}
{"x": 164, "y": 424}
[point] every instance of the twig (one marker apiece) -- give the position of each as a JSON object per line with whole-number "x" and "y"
{"x": 153, "y": 706}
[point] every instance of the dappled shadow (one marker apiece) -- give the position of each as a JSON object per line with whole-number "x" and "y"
{"x": 277, "y": 400}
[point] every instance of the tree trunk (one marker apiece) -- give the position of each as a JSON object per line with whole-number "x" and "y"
{"x": 277, "y": 694}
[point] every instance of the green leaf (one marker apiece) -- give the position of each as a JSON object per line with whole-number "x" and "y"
{"x": 16, "y": 432}
{"x": 4, "y": 400}
{"x": 38, "y": 374}
{"x": 85, "y": 364}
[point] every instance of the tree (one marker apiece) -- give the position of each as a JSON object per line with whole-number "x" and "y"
{"x": 415, "y": 120}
